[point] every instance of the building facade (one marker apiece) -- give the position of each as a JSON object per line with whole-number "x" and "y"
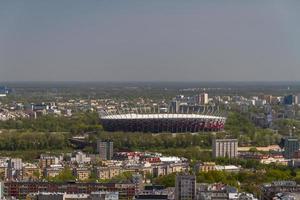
{"x": 185, "y": 187}
{"x": 291, "y": 146}
{"x": 105, "y": 149}
{"x": 225, "y": 148}
{"x": 20, "y": 190}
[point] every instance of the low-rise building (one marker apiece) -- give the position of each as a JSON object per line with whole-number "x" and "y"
{"x": 205, "y": 167}
{"x": 108, "y": 172}
{"x": 82, "y": 173}
{"x": 53, "y": 170}
{"x": 31, "y": 172}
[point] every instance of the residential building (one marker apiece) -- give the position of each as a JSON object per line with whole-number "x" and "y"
{"x": 205, "y": 167}
{"x": 14, "y": 168}
{"x": 185, "y": 187}
{"x": 53, "y": 171}
{"x": 104, "y": 195}
{"x": 81, "y": 158}
{"x": 108, "y": 172}
{"x": 31, "y": 172}
{"x": 82, "y": 173}
{"x": 105, "y": 149}
{"x": 291, "y": 146}
{"x": 47, "y": 160}
{"x": 280, "y": 190}
{"x": 20, "y": 190}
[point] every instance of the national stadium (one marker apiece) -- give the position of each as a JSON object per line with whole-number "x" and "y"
{"x": 161, "y": 122}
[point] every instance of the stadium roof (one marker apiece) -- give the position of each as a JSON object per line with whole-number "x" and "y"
{"x": 161, "y": 116}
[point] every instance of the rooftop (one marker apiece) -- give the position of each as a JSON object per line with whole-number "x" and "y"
{"x": 161, "y": 116}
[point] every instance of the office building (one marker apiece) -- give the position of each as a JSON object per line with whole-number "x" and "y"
{"x": 4, "y": 91}
{"x": 291, "y": 146}
{"x": 185, "y": 187}
{"x": 105, "y": 149}
{"x": 288, "y": 100}
{"x": 225, "y": 148}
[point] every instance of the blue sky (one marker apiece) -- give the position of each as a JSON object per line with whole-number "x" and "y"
{"x": 157, "y": 40}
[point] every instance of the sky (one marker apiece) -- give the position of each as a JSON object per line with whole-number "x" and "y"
{"x": 149, "y": 40}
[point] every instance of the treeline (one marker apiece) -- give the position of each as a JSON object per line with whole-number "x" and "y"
{"x": 157, "y": 141}
{"x": 239, "y": 126}
{"x": 80, "y": 122}
{"x": 16, "y": 141}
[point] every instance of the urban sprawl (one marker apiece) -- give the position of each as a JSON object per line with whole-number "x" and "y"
{"x": 195, "y": 145}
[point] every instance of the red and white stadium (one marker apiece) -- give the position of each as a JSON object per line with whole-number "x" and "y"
{"x": 157, "y": 123}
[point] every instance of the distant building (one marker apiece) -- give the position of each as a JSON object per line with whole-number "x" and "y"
{"x": 78, "y": 196}
{"x": 297, "y": 99}
{"x": 105, "y": 149}
{"x": 155, "y": 192}
{"x": 47, "y": 160}
{"x": 174, "y": 106}
{"x": 81, "y": 158}
{"x": 21, "y": 190}
{"x": 291, "y": 146}
{"x": 108, "y": 172}
{"x": 104, "y": 195}
{"x": 288, "y": 100}
{"x": 185, "y": 187}
{"x": 218, "y": 191}
{"x": 205, "y": 167}
{"x": 30, "y": 172}
{"x": 15, "y": 163}
{"x": 280, "y": 190}
{"x": 202, "y": 99}
{"x": 82, "y": 173}
{"x": 14, "y": 168}
{"x": 57, "y": 196}
{"x": 225, "y": 148}
{"x": 4, "y": 91}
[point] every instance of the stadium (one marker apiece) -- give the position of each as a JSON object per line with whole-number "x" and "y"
{"x": 157, "y": 123}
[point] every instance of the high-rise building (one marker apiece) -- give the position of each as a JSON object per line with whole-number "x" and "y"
{"x": 288, "y": 100}
{"x": 225, "y": 148}
{"x": 296, "y": 99}
{"x": 4, "y": 91}
{"x": 14, "y": 168}
{"x": 202, "y": 99}
{"x": 290, "y": 145}
{"x": 185, "y": 187}
{"x": 15, "y": 163}
{"x": 174, "y": 106}
{"x": 105, "y": 149}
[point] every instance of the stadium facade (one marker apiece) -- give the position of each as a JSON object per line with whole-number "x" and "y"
{"x": 157, "y": 123}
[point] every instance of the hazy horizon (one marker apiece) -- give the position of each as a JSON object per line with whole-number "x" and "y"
{"x": 149, "y": 41}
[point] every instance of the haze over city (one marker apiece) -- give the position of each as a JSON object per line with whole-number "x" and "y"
{"x": 149, "y": 40}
